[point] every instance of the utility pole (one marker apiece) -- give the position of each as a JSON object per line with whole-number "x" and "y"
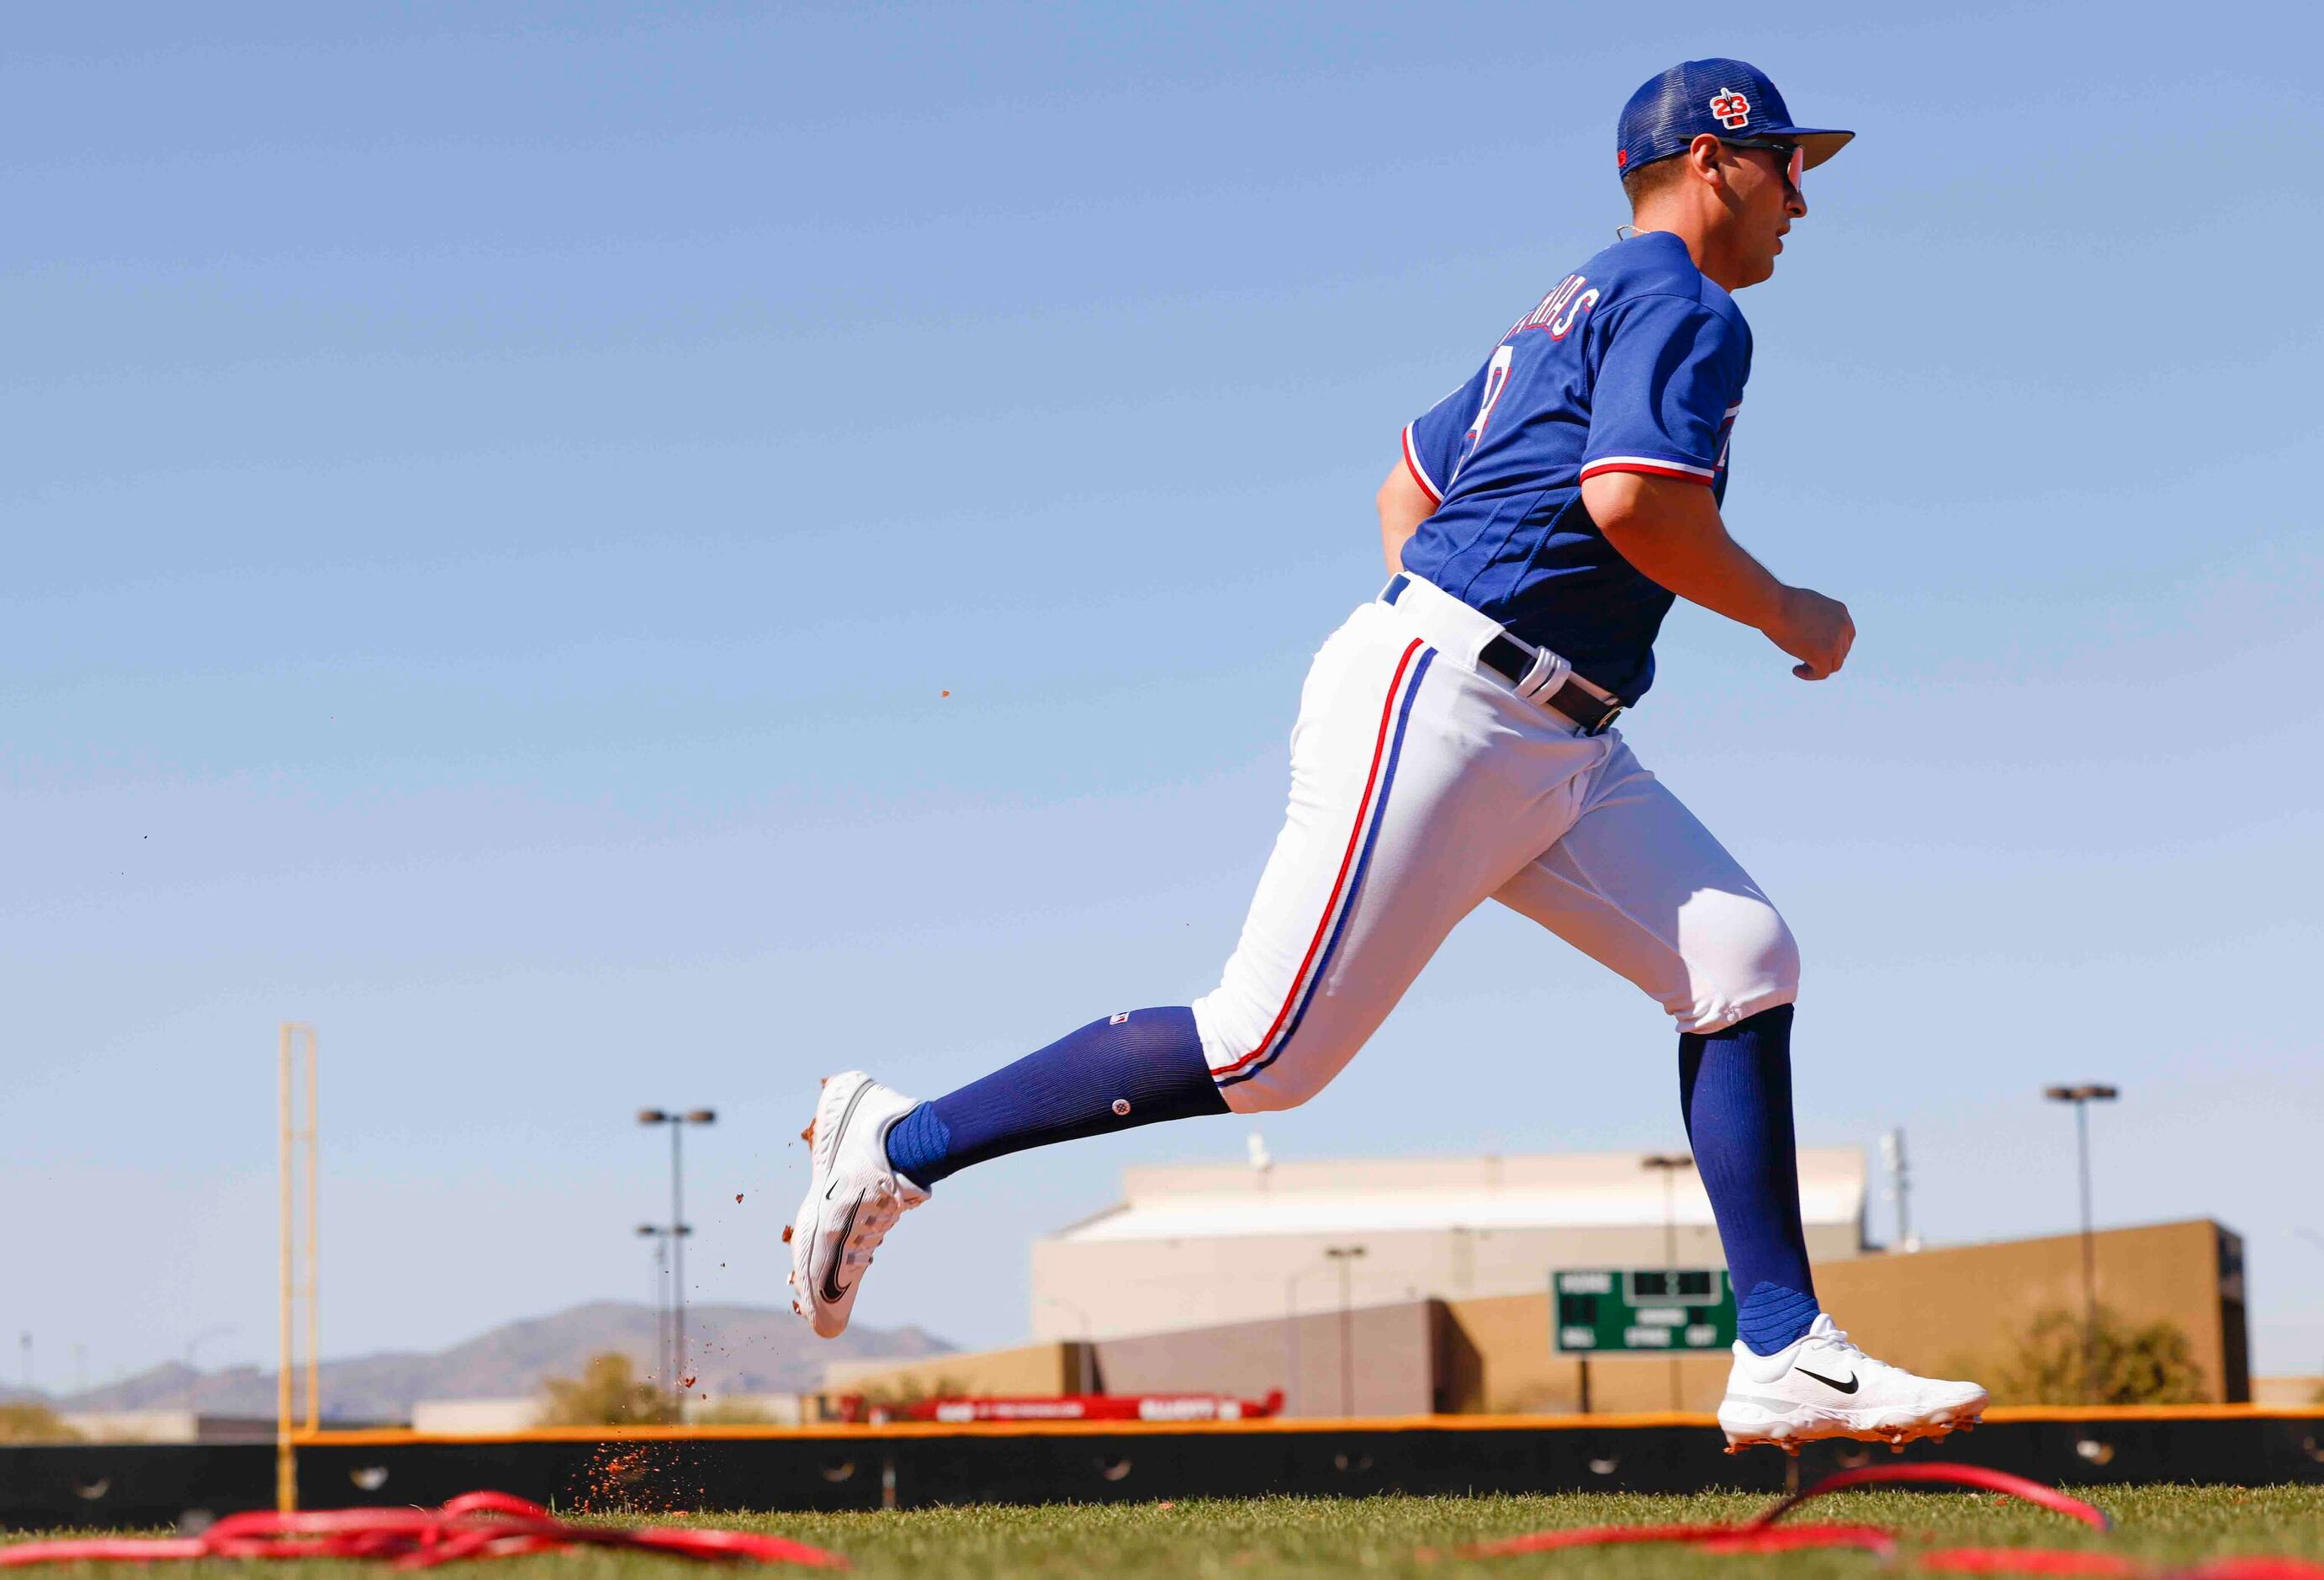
{"x": 1086, "y": 1371}
{"x": 1292, "y": 1392}
{"x": 2081, "y": 1097}
{"x": 662, "y": 1237}
{"x": 1668, "y": 1165}
{"x": 1900, "y": 1187}
{"x": 1345, "y": 1256}
{"x": 678, "y": 1231}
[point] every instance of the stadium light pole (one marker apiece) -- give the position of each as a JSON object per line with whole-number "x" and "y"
{"x": 677, "y": 1233}
{"x": 1291, "y": 1389}
{"x": 1086, "y": 1373}
{"x": 661, "y": 1238}
{"x": 1669, "y": 1164}
{"x": 2081, "y": 1097}
{"x": 1345, "y": 1256}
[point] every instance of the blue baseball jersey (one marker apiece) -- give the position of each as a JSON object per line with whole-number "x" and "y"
{"x": 1635, "y": 362}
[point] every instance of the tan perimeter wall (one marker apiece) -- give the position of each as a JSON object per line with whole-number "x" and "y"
{"x": 1030, "y": 1371}
{"x": 2288, "y": 1392}
{"x": 1947, "y": 1313}
{"x": 1381, "y": 1361}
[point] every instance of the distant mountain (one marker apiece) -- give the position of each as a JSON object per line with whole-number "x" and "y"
{"x": 731, "y": 1349}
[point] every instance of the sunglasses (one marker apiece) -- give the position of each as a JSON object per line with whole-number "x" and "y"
{"x": 1793, "y": 166}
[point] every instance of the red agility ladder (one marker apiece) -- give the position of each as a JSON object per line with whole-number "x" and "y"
{"x": 1763, "y": 1535}
{"x": 480, "y": 1525}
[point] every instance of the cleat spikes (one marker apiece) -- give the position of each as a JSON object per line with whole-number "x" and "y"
{"x": 853, "y": 1197}
{"x": 1796, "y": 1396}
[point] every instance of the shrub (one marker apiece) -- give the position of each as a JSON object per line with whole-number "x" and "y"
{"x": 893, "y": 1393}
{"x": 26, "y": 1422}
{"x": 607, "y": 1393}
{"x": 2151, "y": 1363}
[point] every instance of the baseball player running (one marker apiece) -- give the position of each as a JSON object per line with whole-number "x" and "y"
{"x": 1454, "y": 744}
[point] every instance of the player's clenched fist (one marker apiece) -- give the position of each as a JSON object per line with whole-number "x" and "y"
{"x": 1815, "y": 630}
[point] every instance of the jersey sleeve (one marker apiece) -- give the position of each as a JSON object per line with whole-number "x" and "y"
{"x": 1431, "y": 440}
{"x": 1668, "y": 381}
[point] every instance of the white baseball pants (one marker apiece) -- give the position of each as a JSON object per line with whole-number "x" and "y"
{"x": 1424, "y": 783}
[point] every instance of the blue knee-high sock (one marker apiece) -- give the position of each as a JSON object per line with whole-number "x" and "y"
{"x": 1735, "y": 1089}
{"x": 1112, "y": 1075}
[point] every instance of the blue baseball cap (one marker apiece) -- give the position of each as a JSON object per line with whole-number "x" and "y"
{"x": 1730, "y": 100}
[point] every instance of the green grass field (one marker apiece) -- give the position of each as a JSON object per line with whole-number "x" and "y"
{"x": 1380, "y": 1536}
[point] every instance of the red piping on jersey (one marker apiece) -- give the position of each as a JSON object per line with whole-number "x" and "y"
{"x": 1355, "y": 836}
{"x": 1597, "y": 467}
{"x": 1412, "y": 464}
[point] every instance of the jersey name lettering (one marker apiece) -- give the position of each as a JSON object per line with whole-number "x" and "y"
{"x": 1558, "y": 310}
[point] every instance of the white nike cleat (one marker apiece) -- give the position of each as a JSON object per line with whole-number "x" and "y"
{"x": 1822, "y": 1386}
{"x": 853, "y": 1197}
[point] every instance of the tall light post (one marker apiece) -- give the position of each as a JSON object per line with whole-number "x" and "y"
{"x": 2081, "y": 1097}
{"x": 663, "y": 1237}
{"x": 1900, "y": 1187}
{"x": 1291, "y": 1390}
{"x": 1085, "y": 1374}
{"x": 1345, "y": 1256}
{"x": 1668, "y": 1165}
{"x": 678, "y": 1234}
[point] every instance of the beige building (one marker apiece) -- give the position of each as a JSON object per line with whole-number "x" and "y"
{"x": 167, "y": 1426}
{"x": 1203, "y": 1246}
{"x": 1950, "y": 1312}
{"x": 1957, "y": 1311}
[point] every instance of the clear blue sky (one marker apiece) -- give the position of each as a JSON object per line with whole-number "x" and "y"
{"x": 495, "y": 497}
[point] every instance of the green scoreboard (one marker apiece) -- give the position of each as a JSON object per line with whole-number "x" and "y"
{"x": 1642, "y": 1311}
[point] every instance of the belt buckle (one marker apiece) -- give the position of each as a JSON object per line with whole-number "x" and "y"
{"x": 1605, "y": 720}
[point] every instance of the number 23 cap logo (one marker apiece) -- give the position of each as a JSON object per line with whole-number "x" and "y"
{"x": 1730, "y": 109}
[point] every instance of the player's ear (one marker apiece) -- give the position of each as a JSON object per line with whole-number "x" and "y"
{"x": 1704, "y": 156}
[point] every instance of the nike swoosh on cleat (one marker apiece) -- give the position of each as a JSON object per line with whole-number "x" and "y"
{"x": 832, "y": 1290}
{"x": 1847, "y": 1387}
{"x": 839, "y": 1129}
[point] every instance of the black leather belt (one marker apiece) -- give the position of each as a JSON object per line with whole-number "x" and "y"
{"x": 1512, "y": 659}
{"x": 1508, "y": 657}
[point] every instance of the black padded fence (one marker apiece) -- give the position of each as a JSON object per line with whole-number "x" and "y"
{"x": 151, "y": 1485}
